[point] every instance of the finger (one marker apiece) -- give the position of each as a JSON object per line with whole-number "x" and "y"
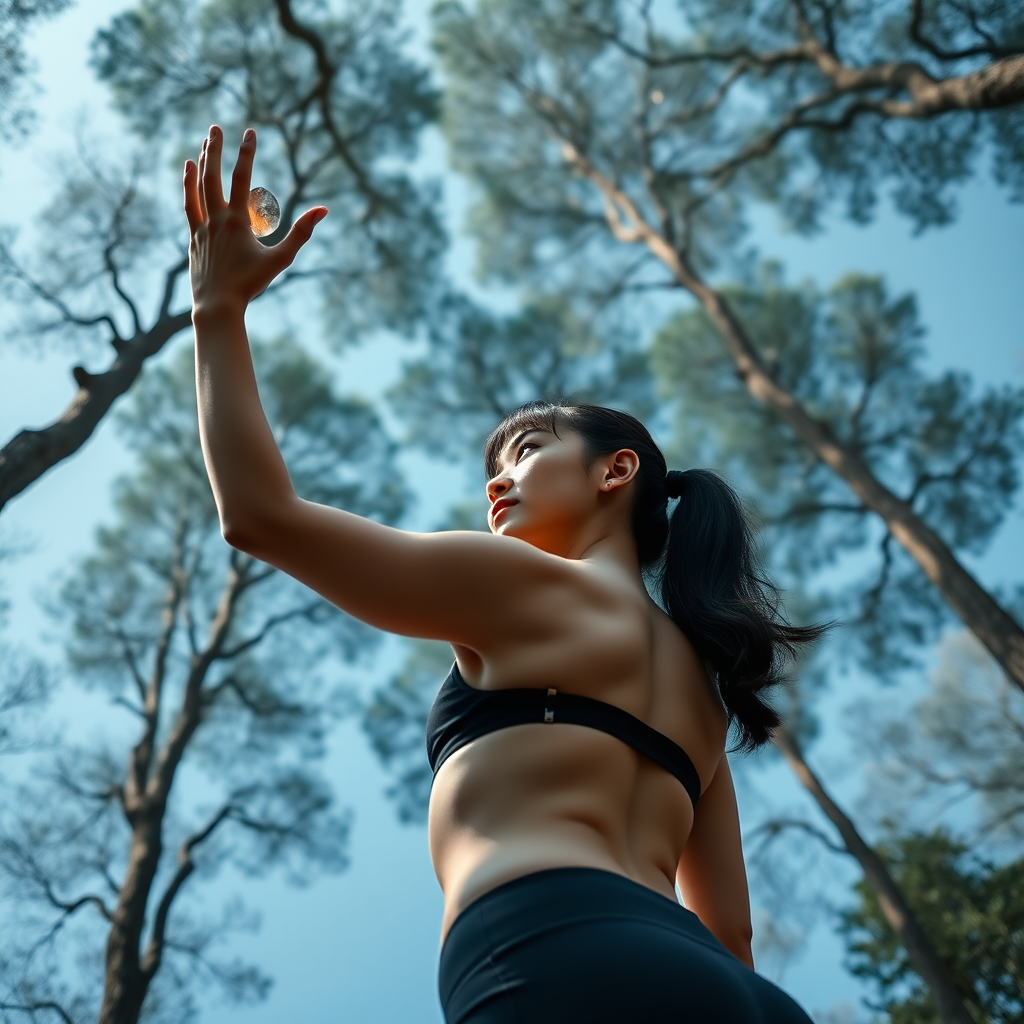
{"x": 299, "y": 234}
{"x": 241, "y": 177}
{"x": 190, "y": 183}
{"x": 199, "y": 179}
{"x": 213, "y": 188}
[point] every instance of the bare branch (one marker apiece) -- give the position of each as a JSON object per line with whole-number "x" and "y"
{"x": 43, "y": 293}
{"x": 897, "y": 912}
{"x": 108, "y": 259}
{"x": 142, "y": 752}
{"x": 807, "y": 510}
{"x": 190, "y": 709}
{"x": 322, "y": 90}
{"x": 771, "y": 830}
{"x": 271, "y": 623}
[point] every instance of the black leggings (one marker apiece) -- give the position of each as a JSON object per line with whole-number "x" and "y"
{"x": 583, "y": 946}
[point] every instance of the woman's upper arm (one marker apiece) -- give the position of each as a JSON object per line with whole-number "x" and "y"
{"x": 711, "y": 874}
{"x": 463, "y": 587}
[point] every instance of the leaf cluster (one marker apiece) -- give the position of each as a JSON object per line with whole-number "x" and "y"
{"x": 529, "y": 88}
{"x": 973, "y": 912}
{"x": 696, "y": 110}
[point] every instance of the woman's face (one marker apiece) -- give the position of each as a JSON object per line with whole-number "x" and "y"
{"x": 542, "y": 492}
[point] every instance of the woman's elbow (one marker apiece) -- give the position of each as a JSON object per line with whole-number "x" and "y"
{"x": 738, "y": 942}
{"x": 252, "y": 530}
{"x": 239, "y": 535}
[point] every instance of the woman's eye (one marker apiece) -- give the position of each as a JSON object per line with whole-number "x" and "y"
{"x": 522, "y": 448}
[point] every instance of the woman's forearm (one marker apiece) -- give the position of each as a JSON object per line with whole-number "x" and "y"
{"x": 249, "y": 478}
{"x": 228, "y": 268}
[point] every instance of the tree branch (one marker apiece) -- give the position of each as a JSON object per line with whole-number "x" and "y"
{"x": 949, "y": 1002}
{"x": 142, "y": 752}
{"x": 268, "y": 626}
{"x": 31, "y": 453}
{"x": 186, "y": 865}
{"x": 774, "y": 828}
{"x": 322, "y": 90}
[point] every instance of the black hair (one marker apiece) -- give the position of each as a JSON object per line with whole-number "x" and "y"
{"x": 700, "y": 560}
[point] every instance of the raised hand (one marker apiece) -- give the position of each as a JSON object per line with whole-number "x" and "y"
{"x": 228, "y": 267}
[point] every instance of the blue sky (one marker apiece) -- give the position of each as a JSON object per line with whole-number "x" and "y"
{"x": 362, "y": 947}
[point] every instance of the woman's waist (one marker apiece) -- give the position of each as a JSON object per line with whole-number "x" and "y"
{"x": 470, "y": 866}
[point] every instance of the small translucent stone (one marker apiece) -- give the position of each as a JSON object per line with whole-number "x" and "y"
{"x": 264, "y": 211}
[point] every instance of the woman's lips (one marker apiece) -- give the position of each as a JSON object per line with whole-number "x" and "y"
{"x": 498, "y": 508}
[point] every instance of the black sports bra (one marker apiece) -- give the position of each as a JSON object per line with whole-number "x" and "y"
{"x": 461, "y": 713}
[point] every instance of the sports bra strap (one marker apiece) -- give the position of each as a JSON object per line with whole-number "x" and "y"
{"x": 461, "y": 713}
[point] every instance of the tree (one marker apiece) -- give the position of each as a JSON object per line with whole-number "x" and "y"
{"x": 853, "y": 354}
{"x": 973, "y": 909}
{"x": 586, "y": 127}
{"x": 336, "y": 102}
{"x": 227, "y": 672}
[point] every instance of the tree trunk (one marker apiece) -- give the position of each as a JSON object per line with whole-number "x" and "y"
{"x": 30, "y": 453}
{"x": 948, "y": 1001}
{"x": 125, "y": 984}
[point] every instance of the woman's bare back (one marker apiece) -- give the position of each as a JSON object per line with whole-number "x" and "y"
{"x": 531, "y": 797}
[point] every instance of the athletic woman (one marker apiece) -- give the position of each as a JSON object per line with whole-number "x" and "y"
{"x": 578, "y": 743}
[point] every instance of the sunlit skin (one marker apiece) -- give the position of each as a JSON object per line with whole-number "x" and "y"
{"x": 553, "y": 596}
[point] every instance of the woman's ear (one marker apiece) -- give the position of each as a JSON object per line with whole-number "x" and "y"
{"x": 619, "y": 469}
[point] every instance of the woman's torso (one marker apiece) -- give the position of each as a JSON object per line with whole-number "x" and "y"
{"x": 531, "y": 797}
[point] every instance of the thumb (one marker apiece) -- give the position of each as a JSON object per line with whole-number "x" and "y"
{"x": 300, "y": 233}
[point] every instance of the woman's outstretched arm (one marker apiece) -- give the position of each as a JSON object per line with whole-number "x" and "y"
{"x": 228, "y": 268}
{"x": 467, "y": 588}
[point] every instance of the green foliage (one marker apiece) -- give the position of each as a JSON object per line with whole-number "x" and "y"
{"x": 694, "y": 110}
{"x": 852, "y": 355}
{"x": 228, "y": 670}
{"x": 526, "y": 83}
{"x": 973, "y": 912}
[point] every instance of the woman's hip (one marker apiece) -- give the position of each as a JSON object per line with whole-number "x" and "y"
{"x": 581, "y": 945}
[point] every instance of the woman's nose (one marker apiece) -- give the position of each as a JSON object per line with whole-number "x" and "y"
{"x": 496, "y": 487}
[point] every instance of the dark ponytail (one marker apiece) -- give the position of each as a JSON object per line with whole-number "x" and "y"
{"x": 700, "y": 560}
